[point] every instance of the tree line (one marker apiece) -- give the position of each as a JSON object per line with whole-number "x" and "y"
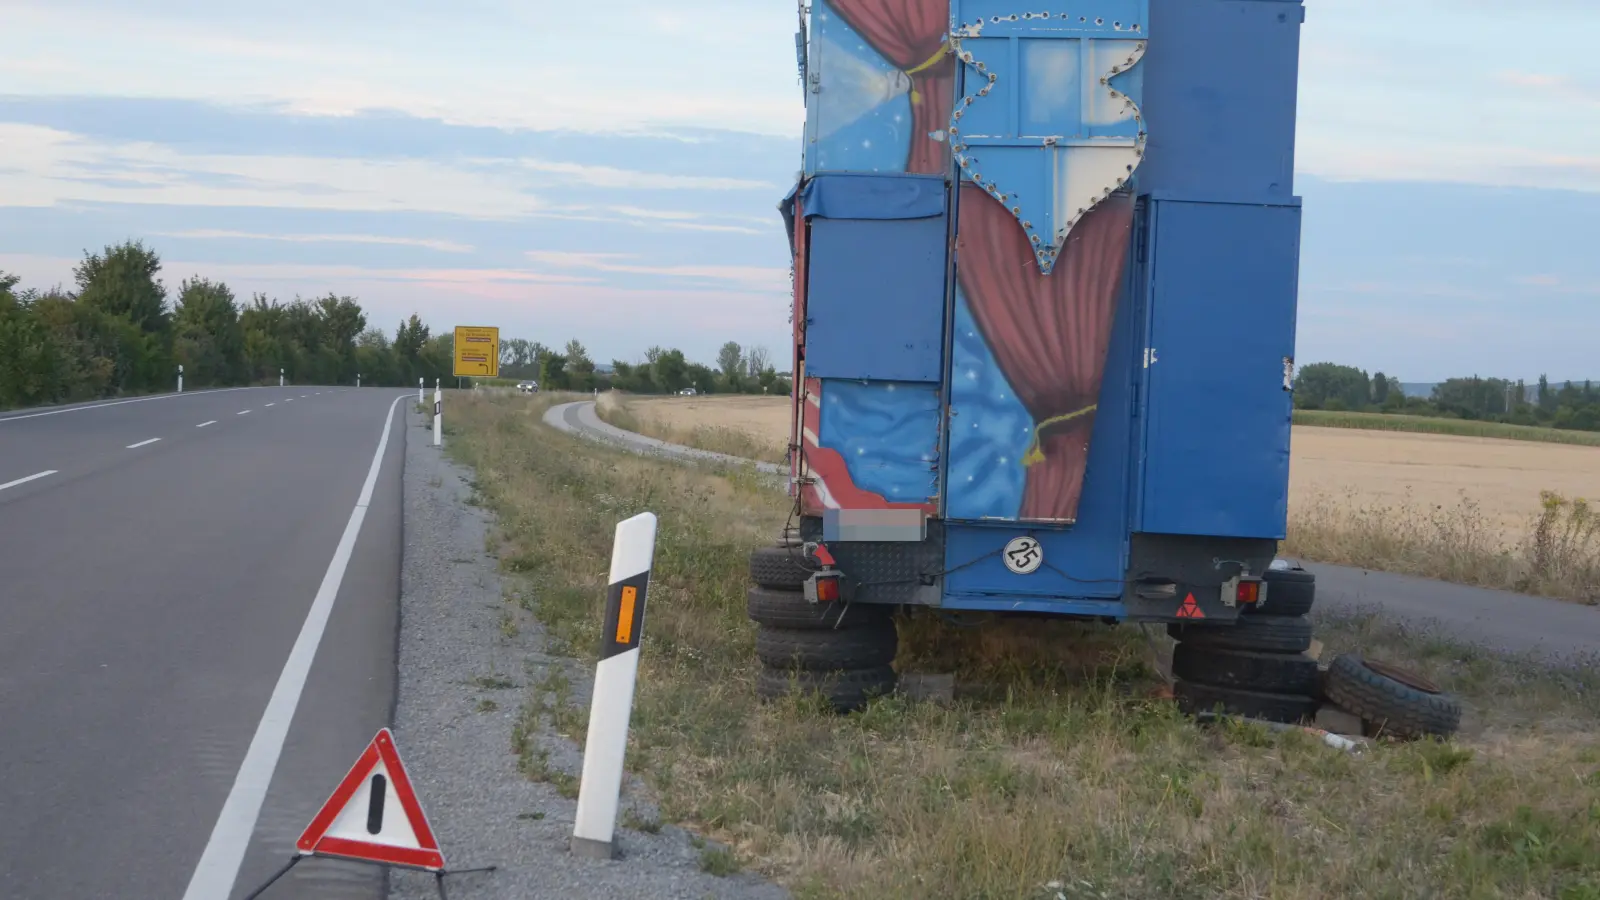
{"x": 738, "y": 370}
{"x": 118, "y": 332}
{"x": 1572, "y": 405}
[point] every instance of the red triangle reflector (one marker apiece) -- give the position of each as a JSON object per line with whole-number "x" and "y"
{"x": 373, "y": 815}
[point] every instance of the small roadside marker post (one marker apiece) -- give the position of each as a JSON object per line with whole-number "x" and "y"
{"x": 373, "y": 816}
{"x": 180, "y": 379}
{"x": 358, "y": 379}
{"x": 280, "y": 378}
{"x": 438, "y": 414}
{"x": 420, "y": 398}
{"x": 600, "y": 787}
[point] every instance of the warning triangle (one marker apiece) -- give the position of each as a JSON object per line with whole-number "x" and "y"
{"x": 373, "y": 815}
{"x": 1190, "y": 609}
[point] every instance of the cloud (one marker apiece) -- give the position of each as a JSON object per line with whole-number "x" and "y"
{"x": 608, "y": 177}
{"x": 51, "y": 167}
{"x": 220, "y": 234}
{"x": 1564, "y": 86}
{"x": 753, "y": 278}
{"x": 486, "y": 62}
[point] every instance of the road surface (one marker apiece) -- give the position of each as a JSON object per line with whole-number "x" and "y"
{"x": 1511, "y": 623}
{"x": 160, "y": 560}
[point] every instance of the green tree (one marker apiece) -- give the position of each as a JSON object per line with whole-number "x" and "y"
{"x": 553, "y": 372}
{"x": 1380, "y": 388}
{"x": 670, "y": 371}
{"x": 122, "y": 281}
{"x": 208, "y": 339}
{"x": 731, "y": 363}
{"x": 1332, "y": 386}
{"x": 703, "y": 378}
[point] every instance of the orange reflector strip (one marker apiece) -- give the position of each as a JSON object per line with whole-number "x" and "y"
{"x": 630, "y": 595}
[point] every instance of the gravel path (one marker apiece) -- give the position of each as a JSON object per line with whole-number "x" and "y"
{"x": 469, "y": 659}
{"x": 1501, "y": 621}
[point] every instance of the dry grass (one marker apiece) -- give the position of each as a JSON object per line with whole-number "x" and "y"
{"x": 1558, "y": 556}
{"x": 1061, "y": 778}
{"x": 736, "y": 425}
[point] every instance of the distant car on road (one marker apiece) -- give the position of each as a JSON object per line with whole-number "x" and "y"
{"x": 528, "y": 387}
{"x": 688, "y": 392}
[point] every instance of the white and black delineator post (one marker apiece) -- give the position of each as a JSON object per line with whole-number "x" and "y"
{"x": 420, "y": 398}
{"x": 438, "y": 415}
{"x": 600, "y": 789}
{"x": 280, "y": 378}
{"x": 180, "y": 379}
{"x": 358, "y": 379}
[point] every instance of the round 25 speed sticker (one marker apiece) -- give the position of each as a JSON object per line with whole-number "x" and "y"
{"x": 1023, "y": 555}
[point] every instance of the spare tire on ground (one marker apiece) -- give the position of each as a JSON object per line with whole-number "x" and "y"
{"x": 1392, "y": 700}
{"x": 1253, "y": 670}
{"x": 1274, "y": 634}
{"x": 1198, "y": 698}
{"x": 873, "y": 643}
{"x": 790, "y": 609}
{"x": 1291, "y": 591}
{"x": 781, "y": 568}
{"x": 845, "y": 691}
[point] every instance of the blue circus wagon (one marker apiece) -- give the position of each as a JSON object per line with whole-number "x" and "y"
{"x": 1046, "y": 262}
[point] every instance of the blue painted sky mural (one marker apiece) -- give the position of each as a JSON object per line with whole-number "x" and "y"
{"x": 479, "y": 160}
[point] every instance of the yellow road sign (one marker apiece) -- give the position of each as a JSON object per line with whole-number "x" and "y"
{"x": 477, "y": 352}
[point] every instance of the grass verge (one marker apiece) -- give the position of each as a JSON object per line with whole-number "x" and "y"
{"x": 1457, "y": 427}
{"x": 1061, "y": 777}
{"x": 1559, "y": 556}
{"x": 615, "y": 410}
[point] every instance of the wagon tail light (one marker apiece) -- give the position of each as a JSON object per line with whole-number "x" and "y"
{"x": 824, "y": 586}
{"x": 1249, "y": 592}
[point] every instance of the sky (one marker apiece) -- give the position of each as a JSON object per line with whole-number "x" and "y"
{"x": 612, "y": 173}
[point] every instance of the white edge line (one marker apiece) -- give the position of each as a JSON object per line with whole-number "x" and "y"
{"x": 204, "y": 424}
{"x": 59, "y": 412}
{"x": 143, "y": 444}
{"x": 34, "y": 477}
{"x": 218, "y": 868}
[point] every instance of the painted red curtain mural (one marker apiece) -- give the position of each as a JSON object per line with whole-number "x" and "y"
{"x": 910, "y": 35}
{"x": 1049, "y": 333}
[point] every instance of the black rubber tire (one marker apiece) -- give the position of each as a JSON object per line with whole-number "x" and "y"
{"x": 845, "y": 691}
{"x": 871, "y": 644}
{"x": 1290, "y": 592}
{"x": 1251, "y": 670}
{"x": 1198, "y": 698}
{"x": 789, "y": 609}
{"x": 781, "y": 568}
{"x": 1274, "y": 634}
{"x": 1389, "y": 705}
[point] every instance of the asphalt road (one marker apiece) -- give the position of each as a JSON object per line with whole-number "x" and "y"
{"x": 159, "y": 560}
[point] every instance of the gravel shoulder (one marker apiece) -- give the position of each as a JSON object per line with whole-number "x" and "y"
{"x": 470, "y": 658}
{"x": 1505, "y": 622}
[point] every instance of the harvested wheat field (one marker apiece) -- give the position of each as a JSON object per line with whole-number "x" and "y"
{"x": 1362, "y": 468}
{"x": 1465, "y": 509}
